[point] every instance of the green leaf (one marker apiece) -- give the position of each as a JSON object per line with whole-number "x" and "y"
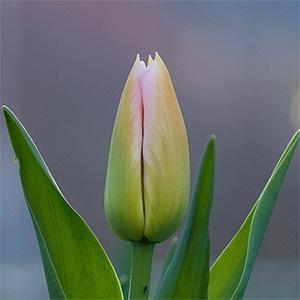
{"x": 187, "y": 275}
{"x": 230, "y": 273}
{"x": 170, "y": 254}
{"x": 75, "y": 264}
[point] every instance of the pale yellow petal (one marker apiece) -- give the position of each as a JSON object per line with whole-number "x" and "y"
{"x": 165, "y": 155}
{"x": 150, "y": 61}
{"x": 123, "y": 188}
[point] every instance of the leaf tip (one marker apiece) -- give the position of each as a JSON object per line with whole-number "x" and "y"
{"x": 7, "y": 112}
{"x": 211, "y": 144}
{"x": 5, "y": 109}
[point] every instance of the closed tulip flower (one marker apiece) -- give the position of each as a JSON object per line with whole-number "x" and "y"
{"x": 148, "y": 175}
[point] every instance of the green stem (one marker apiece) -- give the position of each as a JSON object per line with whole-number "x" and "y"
{"x": 141, "y": 264}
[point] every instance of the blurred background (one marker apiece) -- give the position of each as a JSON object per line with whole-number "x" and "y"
{"x": 235, "y": 68}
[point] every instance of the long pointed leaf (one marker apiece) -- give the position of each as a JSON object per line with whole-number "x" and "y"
{"x": 170, "y": 254}
{"x": 75, "y": 264}
{"x": 187, "y": 275}
{"x": 230, "y": 273}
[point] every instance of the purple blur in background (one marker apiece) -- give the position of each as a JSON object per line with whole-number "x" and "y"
{"x": 235, "y": 68}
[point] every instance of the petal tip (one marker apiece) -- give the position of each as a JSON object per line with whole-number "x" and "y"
{"x": 159, "y": 61}
{"x": 138, "y": 62}
{"x": 157, "y": 57}
{"x": 150, "y": 61}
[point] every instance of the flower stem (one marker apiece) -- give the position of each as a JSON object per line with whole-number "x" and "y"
{"x": 141, "y": 264}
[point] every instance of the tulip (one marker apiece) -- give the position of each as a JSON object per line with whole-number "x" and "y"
{"x": 148, "y": 174}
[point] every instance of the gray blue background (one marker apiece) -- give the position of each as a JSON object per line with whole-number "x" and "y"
{"x": 235, "y": 68}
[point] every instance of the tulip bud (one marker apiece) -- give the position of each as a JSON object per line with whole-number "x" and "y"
{"x": 148, "y": 174}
